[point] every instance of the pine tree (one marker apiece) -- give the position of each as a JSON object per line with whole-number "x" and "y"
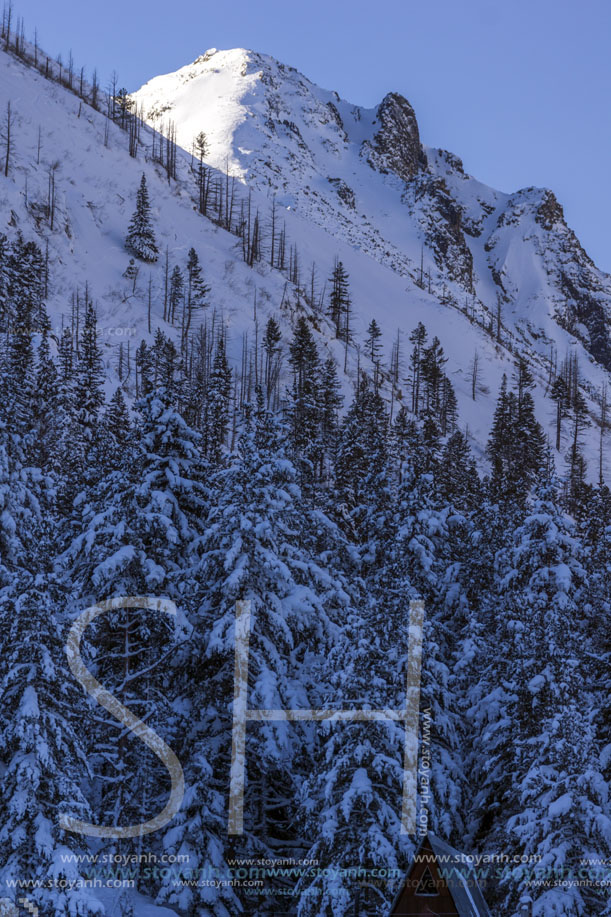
{"x": 163, "y": 367}
{"x": 21, "y": 483}
{"x": 516, "y": 446}
{"x": 140, "y": 239}
{"x": 272, "y": 349}
{"x": 137, "y": 534}
{"x": 352, "y": 800}
{"x": 559, "y": 395}
{"x": 26, "y": 314}
{"x": 457, "y": 477}
{"x": 25, "y": 272}
{"x": 432, "y": 374}
{"x": 304, "y": 409}
{"x": 421, "y": 539}
{"x": 176, "y": 296}
{"x": 81, "y": 455}
{"x": 117, "y": 420}
{"x": 66, "y": 356}
{"x": 596, "y": 536}
{"x": 372, "y": 342}
{"x": 361, "y": 468}
{"x": 20, "y": 509}
{"x": 254, "y": 549}
{"x": 41, "y": 753}
{"x": 374, "y": 348}
{"x": 331, "y": 401}
{"x": 339, "y": 301}
{"x": 218, "y": 405}
{"x": 4, "y": 256}
{"x": 90, "y": 377}
{"x": 448, "y": 407}
{"x": 197, "y": 292}
{"x": 524, "y": 379}
{"x": 45, "y": 406}
{"x": 200, "y": 148}
{"x": 533, "y": 712}
{"x": 418, "y": 339}
{"x": 577, "y": 487}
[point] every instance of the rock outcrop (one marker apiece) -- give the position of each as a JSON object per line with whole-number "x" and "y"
{"x": 396, "y": 146}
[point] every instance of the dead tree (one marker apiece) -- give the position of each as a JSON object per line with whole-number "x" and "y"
{"x": 6, "y": 25}
{"x": 7, "y": 136}
{"x": 474, "y": 374}
{"x": 603, "y": 427}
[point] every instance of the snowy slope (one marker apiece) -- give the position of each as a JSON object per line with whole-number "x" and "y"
{"x": 243, "y": 100}
{"x": 364, "y": 175}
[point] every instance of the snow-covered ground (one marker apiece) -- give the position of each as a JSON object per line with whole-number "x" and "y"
{"x": 275, "y": 131}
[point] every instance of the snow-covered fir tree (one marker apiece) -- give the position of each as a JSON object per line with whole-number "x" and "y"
{"x": 253, "y": 550}
{"x": 137, "y": 529}
{"x": 42, "y": 757}
{"x": 140, "y": 239}
{"x": 534, "y": 714}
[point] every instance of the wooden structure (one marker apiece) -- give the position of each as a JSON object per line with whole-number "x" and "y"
{"x": 439, "y": 883}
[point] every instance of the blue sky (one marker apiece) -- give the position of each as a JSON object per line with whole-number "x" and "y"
{"x": 520, "y": 90}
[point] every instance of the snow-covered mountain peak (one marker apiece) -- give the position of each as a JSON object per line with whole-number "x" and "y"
{"x": 246, "y": 102}
{"x": 364, "y": 176}
{"x": 256, "y": 113}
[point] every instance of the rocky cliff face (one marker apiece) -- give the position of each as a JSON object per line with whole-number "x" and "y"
{"x": 441, "y": 220}
{"x": 396, "y": 146}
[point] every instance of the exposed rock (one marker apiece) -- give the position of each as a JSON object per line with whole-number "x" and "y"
{"x": 396, "y": 146}
{"x": 549, "y": 211}
{"x": 206, "y": 57}
{"x": 441, "y": 218}
{"x": 336, "y": 115}
{"x": 455, "y": 162}
{"x": 344, "y": 192}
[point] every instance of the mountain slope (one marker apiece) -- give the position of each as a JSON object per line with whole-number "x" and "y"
{"x": 364, "y": 175}
{"x": 381, "y": 240}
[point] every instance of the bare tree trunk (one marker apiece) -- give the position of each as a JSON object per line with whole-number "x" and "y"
{"x": 7, "y": 135}
{"x": 603, "y": 427}
{"x": 474, "y": 374}
{"x": 165, "y": 284}
{"x": 7, "y": 33}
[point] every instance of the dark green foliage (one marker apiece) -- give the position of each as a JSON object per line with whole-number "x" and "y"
{"x": 457, "y": 477}
{"x": 361, "y": 465}
{"x": 140, "y": 239}
{"x": 219, "y": 392}
{"x": 516, "y": 447}
{"x": 339, "y": 299}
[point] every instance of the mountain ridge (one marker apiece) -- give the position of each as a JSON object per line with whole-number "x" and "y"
{"x": 407, "y": 261}
{"x": 278, "y": 131}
